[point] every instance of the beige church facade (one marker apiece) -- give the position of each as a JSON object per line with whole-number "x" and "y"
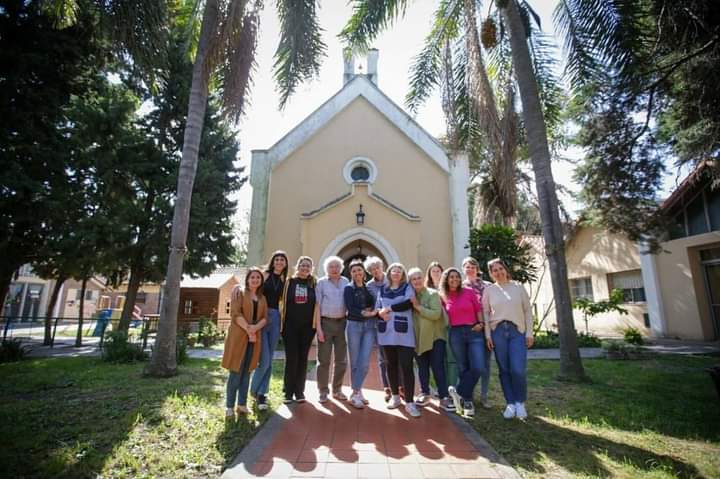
{"x": 359, "y": 177}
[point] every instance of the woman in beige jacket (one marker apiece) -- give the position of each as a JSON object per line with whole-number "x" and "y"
{"x": 243, "y": 343}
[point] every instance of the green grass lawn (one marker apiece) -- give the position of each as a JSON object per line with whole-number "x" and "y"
{"x": 80, "y": 417}
{"x": 656, "y": 418}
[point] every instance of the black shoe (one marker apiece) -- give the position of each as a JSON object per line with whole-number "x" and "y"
{"x": 261, "y": 402}
{"x": 300, "y": 397}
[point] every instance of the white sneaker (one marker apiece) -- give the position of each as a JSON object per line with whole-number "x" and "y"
{"x": 229, "y": 413}
{"x": 356, "y": 401}
{"x": 362, "y": 398}
{"x": 394, "y": 402}
{"x": 457, "y": 400}
{"x": 412, "y": 409}
{"x": 520, "y": 411}
{"x": 423, "y": 400}
{"x": 469, "y": 409}
{"x": 509, "y": 411}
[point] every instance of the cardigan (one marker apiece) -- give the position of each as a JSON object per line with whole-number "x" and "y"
{"x": 237, "y": 338}
{"x": 430, "y": 324}
{"x": 462, "y": 307}
{"x": 284, "y": 298}
{"x": 508, "y": 302}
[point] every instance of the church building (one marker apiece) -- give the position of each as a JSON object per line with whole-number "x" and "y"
{"x": 359, "y": 177}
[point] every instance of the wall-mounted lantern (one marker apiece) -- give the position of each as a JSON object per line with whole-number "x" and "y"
{"x": 360, "y": 217}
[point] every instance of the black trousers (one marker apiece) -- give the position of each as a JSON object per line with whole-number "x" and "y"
{"x": 400, "y": 370}
{"x": 298, "y": 339}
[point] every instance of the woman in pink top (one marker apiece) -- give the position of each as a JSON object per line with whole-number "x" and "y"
{"x": 467, "y": 338}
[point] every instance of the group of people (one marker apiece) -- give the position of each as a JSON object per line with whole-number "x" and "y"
{"x": 411, "y": 316}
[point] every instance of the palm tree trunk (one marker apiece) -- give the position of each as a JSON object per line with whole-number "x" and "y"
{"x": 164, "y": 362}
{"x": 571, "y": 367}
{"x": 78, "y": 338}
{"x": 59, "y": 281}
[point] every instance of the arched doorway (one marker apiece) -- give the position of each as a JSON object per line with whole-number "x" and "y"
{"x": 358, "y": 249}
{"x": 370, "y": 242}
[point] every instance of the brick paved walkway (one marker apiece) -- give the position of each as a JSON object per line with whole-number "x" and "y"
{"x": 335, "y": 440}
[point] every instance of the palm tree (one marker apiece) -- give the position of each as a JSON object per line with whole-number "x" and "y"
{"x": 370, "y": 17}
{"x": 226, "y": 50}
{"x": 570, "y": 362}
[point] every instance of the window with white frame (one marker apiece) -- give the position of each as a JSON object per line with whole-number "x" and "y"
{"x": 581, "y": 288}
{"x": 630, "y": 283}
{"x": 188, "y": 306}
{"x": 360, "y": 170}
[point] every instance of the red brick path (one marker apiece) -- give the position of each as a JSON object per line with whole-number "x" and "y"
{"x": 335, "y": 440}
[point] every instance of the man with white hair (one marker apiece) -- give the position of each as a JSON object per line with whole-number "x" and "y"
{"x": 374, "y": 266}
{"x": 330, "y": 289}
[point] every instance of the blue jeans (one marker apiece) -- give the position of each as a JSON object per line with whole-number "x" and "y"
{"x": 237, "y": 385}
{"x": 468, "y": 347}
{"x": 361, "y": 338}
{"x": 511, "y": 357}
{"x": 435, "y": 359}
{"x": 485, "y": 378}
{"x": 270, "y": 336}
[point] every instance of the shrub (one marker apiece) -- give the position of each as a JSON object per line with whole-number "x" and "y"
{"x": 181, "y": 346}
{"x": 588, "y": 341}
{"x": 546, "y": 340}
{"x": 209, "y": 334}
{"x": 12, "y": 350}
{"x": 551, "y": 340}
{"x": 496, "y": 241}
{"x": 633, "y": 336}
{"x": 117, "y": 348}
{"x": 616, "y": 349}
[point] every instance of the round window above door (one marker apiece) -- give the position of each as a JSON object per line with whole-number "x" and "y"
{"x": 360, "y": 170}
{"x": 360, "y": 173}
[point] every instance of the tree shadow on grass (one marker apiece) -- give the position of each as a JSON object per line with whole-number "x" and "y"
{"x": 672, "y": 396}
{"x": 75, "y": 417}
{"x": 580, "y": 453}
{"x": 239, "y": 431}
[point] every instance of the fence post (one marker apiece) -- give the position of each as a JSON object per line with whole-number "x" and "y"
{"x": 145, "y": 328}
{"x": 52, "y": 340}
{"x": 8, "y": 320}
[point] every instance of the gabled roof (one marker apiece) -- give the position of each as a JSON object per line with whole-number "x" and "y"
{"x": 214, "y": 281}
{"x": 687, "y": 184}
{"x": 359, "y": 86}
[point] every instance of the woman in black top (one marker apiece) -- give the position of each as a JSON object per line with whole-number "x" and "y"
{"x": 299, "y": 315}
{"x": 275, "y": 274}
